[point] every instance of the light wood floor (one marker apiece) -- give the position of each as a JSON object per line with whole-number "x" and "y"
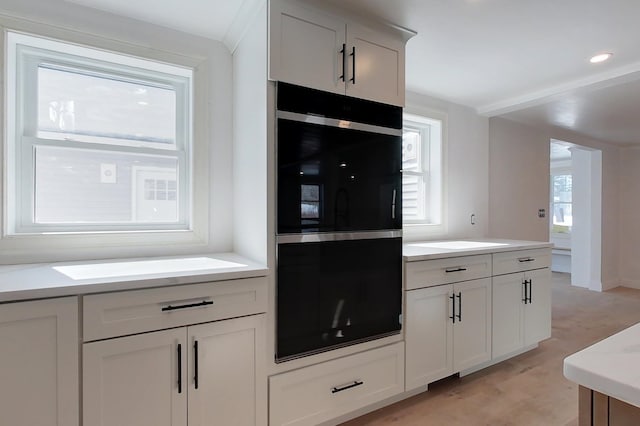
{"x": 528, "y": 390}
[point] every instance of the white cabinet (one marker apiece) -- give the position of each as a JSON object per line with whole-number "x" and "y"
{"x": 521, "y": 310}
{"x": 133, "y": 381}
{"x": 319, "y": 393}
{"x": 198, "y": 374}
{"x": 448, "y": 330}
{"x": 39, "y": 368}
{"x": 310, "y": 48}
{"x": 231, "y": 388}
{"x": 521, "y": 300}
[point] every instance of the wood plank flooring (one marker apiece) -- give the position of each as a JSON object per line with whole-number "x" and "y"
{"x": 528, "y": 390}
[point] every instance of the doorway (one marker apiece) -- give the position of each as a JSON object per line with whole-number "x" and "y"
{"x": 576, "y": 212}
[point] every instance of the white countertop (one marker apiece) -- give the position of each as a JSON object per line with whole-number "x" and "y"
{"x": 425, "y": 250}
{"x": 611, "y": 366}
{"x": 35, "y": 281}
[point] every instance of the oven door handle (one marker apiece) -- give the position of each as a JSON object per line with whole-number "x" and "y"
{"x": 393, "y": 205}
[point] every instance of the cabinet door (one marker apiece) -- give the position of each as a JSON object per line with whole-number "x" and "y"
{"x": 508, "y": 328}
{"x": 378, "y": 64}
{"x": 134, "y": 381}
{"x": 39, "y": 368}
{"x": 231, "y": 380}
{"x": 429, "y": 335}
{"x": 537, "y": 316}
{"x": 304, "y": 47}
{"x": 472, "y": 329}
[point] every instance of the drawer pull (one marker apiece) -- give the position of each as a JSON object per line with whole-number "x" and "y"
{"x": 526, "y": 259}
{"x": 459, "y": 269}
{"x": 190, "y": 305}
{"x": 345, "y": 387}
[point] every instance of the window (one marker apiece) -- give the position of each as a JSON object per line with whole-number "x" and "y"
{"x": 97, "y": 141}
{"x": 561, "y": 204}
{"x": 421, "y": 170}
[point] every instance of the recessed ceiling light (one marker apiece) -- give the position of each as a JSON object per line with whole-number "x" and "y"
{"x": 600, "y": 57}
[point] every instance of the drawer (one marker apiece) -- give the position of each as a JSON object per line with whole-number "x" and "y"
{"x": 325, "y": 391}
{"x": 428, "y": 273}
{"x": 521, "y": 260}
{"x": 137, "y": 311}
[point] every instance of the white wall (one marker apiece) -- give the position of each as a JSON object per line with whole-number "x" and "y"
{"x": 62, "y": 19}
{"x": 586, "y": 247}
{"x": 519, "y": 169}
{"x": 250, "y": 142}
{"x": 629, "y": 217}
{"x": 518, "y": 181}
{"x": 466, "y": 159}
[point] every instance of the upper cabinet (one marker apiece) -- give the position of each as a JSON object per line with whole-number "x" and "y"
{"x": 313, "y": 49}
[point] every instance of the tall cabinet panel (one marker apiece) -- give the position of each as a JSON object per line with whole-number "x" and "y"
{"x": 136, "y": 381}
{"x": 39, "y": 368}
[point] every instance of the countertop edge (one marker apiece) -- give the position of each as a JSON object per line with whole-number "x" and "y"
{"x": 46, "y": 283}
{"x": 591, "y": 367}
{"x": 430, "y": 254}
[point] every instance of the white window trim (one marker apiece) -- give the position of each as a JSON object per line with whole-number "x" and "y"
{"x": 46, "y": 247}
{"x": 437, "y": 156}
{"x": 558, "y": 169}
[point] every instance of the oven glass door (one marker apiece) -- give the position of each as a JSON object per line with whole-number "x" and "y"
{"x": 334, "y": 293}
{"x": 332, "y": 179}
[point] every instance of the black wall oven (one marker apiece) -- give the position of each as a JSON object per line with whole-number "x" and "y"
{"x": 339, "y": 220}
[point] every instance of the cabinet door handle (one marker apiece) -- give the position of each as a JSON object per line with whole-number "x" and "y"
{"x": 343, "y": 77}
{"x": 453, "y": 308}
{"x": 455, "y": 270}
{"x": 195, "y": 364}
{"x": 530, "y": 299}
{"x": 179, "y": 368}
{"x": 353, "y": 53}
{"x": 355, "y": 383}
{"x": 526, "y": 298}
{"x": 526, "y": 259}
{"x": 459, "y": 314}
{"x": 190, "y": 305}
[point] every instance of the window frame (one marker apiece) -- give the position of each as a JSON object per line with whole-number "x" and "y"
{"x": 558, "y": 171}
{"x": 25, "y": 54}
{"x": 210, "y": 154}
{"x": 432, "y": 169}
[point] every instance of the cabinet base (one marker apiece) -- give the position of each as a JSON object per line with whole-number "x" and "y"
{"x": 497, "y": 360}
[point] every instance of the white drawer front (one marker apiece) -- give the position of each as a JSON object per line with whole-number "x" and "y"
{"x": 428, "y": 273}
{"x": 129, "y": 312}
{"x": 521, "y": 260}
{"x": 324, "y": 391}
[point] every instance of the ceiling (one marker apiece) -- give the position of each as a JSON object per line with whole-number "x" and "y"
{"x": 527, "y": 60}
